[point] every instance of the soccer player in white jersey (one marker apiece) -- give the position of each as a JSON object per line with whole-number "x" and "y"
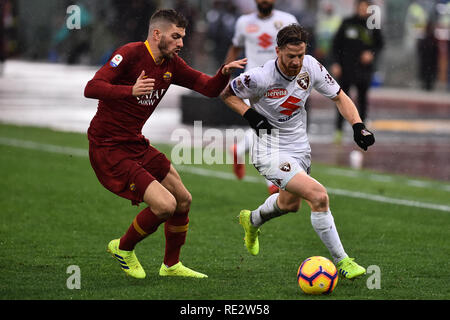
{"x": 256, "y": 34}
{"x": 281, "y": 153}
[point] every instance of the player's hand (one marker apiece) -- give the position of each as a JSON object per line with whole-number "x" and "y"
{"x": 366, "y": 57}
{"x": 237, "y": 64}
{"x": 363, "y": 137}
{"x": 257, "y": 122}
{"x": 143, "y": 85}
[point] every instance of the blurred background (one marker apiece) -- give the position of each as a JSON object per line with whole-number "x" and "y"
{"x": 36, "y": 30}
{"x": 44, "y": 64}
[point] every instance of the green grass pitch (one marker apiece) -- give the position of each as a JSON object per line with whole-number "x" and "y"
{"x": 54, "y": 214}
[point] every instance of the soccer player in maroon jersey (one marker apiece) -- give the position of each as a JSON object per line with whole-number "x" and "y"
{"x": 129, "y": 88}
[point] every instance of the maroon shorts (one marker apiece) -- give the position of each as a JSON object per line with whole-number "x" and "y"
{"x": 128, "y": 169}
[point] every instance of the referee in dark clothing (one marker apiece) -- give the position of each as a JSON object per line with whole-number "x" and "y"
{"x": 355, "y": 48}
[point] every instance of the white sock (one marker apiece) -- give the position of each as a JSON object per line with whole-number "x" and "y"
{"x": 323, "y": 224}
{"x": 268, "y": 210}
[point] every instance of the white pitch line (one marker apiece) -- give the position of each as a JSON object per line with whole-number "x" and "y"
{"x": 26, "y": 144}
{"x": 339, "y": 192}
{"x": 224, "y": 175}
{"x": 216, "y": 174}
{"x": 375, "y": 197}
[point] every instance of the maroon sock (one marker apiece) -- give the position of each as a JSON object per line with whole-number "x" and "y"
{"x": 175, "y": 230}
{"x": 145, "y": 223}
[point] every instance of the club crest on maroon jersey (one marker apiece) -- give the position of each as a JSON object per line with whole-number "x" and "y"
{"x": 167, "y": 76}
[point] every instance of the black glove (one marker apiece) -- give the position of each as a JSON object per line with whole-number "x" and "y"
{"x": 257, "y": 121}
{"x": 363, "y": 137}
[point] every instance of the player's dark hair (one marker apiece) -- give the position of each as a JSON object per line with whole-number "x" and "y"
{"x": 291, "y": 34}
{"x": 171, "y": 16}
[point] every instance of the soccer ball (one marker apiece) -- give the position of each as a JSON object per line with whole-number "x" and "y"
{"x": 317, "y": 275}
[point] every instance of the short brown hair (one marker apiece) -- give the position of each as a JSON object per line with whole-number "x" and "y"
{"x": 291, "y": 34}
{"x": 168, "y": 16}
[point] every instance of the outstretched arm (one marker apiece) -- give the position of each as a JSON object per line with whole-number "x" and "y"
{"x": 208, "y": 86}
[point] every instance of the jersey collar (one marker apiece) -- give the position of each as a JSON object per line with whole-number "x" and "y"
{"x": 147, "y": 45}
{"x": 281, "y": 73}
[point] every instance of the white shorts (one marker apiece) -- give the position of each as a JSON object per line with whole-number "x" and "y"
{"x": 283, "y": 167}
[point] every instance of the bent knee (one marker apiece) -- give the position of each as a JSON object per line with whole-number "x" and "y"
{"x": 187, "y": 199}
{"x": 184, "y": 201}
{"x": 165, "y": 208}
{"x": 290, "y": 207}
{"x": 320, "y": 201}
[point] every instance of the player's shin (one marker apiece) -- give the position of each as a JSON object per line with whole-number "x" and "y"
{"x": 323, "y": 224}
{"x": 144, "y": 224}
{"x": 268, "y": 210}
{"x": 175, "y": 230}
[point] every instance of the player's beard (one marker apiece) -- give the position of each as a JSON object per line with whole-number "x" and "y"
{"x": 265, "y": 9}
{"x": 163, "y": 48}
{"x": 290, "y": 71}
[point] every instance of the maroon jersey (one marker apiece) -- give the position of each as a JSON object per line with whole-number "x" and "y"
{"x": 120, "y": 116}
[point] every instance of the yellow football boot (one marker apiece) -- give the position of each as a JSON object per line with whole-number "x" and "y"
{"x": 350, "y": 269}
{"x": 251, "y": 232}
{"x": 127, "y": 260}
{"x": 179, "y": 270}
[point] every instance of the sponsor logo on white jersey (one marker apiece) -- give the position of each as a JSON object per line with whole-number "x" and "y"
{"x": 276, "y": 93}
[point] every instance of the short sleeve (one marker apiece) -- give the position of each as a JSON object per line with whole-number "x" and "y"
{"x": 239, "y": 37}
{"x": 323, "y": 82}
{"x": 250, "y": 84}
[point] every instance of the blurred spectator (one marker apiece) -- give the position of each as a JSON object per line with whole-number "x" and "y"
{"x": 355, "y": 49}
{"x": 415, "y": 23}
{"x": 307, "y": 17}
{"x": 428, "y": 53}
{"x": 255, "y": 34}
{"x": 189, "y": 12}
{"x": 103, "y": 40}
{"x": 103, "y": 27}
{"x": 132, "y": 18}
{"x": 221, "y": 19}
{"x": 328, "y": 23}
{"x": 8, "y": 31}
{"x": 73, "y": 46}
{"x": 2, "y": 38}
{"x": 442, "y": 32}
{"x": 244, "y": 6}
{"x": 306, "y": 12}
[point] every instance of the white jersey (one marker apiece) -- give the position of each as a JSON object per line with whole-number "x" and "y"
{"x": 281, "y": 99}
{"x": 258, "y": 36}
